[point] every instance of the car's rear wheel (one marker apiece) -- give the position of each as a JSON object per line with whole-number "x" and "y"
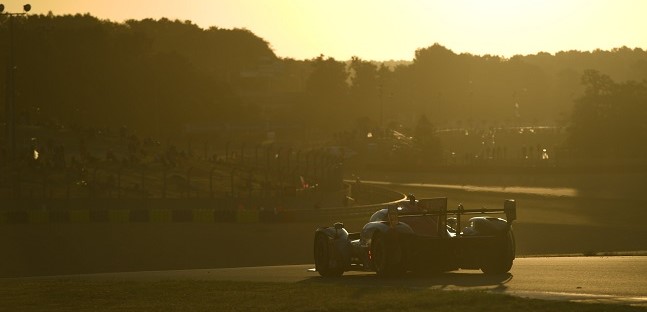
{"x": 499, "y": 257}
{"x": 386, "y": 255}
{"x": 325, "y": 264}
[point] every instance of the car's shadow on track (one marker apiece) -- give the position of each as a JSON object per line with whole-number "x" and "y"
{"x": 438, "y": 281}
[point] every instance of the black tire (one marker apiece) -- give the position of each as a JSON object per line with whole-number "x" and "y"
{"x": 386, "y": 255}
{"x": 323, "y": 257}
{"x": 499, "y": 257}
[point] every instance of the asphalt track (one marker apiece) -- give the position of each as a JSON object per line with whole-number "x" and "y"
{"x": 548, "y": 224}
{"x": 617, "y": 279}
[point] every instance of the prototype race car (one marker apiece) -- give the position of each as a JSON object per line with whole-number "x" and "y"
{"x": 417, "y": 235}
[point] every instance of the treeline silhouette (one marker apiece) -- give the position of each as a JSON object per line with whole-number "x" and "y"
{"x": 609, "y": 120}
{"x": 144, "y": 74}
{"x": 165, "y": 76}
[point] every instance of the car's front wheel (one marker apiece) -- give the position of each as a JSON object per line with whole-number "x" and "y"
{"x": 325, "y": 264}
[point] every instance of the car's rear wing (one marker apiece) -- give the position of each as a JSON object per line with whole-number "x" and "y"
{"x": 438, "y": 207}
{"x": 509, "y": 209}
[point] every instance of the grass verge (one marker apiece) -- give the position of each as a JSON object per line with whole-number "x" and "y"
{"x": 84, "y": 295}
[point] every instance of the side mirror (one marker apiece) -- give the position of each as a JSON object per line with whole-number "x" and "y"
{"x": 510, "y": 209}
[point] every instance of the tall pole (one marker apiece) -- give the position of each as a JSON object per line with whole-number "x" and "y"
{"x": 10, "y": 108}
{"x": 380, "y": 94}
{"x": 11, "y": 96}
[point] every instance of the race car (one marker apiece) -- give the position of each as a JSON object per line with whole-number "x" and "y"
{"x": 420, "y": 236}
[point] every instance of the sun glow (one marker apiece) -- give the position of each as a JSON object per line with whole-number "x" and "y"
{"x": 384, "y": 29}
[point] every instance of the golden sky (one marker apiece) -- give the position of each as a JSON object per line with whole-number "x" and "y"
{"x": 393, "y": 29}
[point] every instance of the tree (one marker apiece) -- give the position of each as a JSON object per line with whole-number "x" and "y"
{"x": 326, "y": 93}
{"x": 427, "y": 140}
{"x": 148, "y": 75}
{"x": 365, "y": 90}
{"x": 609, "y": 119}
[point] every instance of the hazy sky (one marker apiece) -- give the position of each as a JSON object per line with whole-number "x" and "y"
{"x": 392, "y": 29}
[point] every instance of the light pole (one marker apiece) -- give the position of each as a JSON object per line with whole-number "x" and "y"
{"x": 11, "y": 84}
{"x": 380, "y": 94}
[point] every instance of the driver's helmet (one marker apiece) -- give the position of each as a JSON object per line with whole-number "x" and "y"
{"x": 411, "y": 205}
{"x": 412, "y": 199}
